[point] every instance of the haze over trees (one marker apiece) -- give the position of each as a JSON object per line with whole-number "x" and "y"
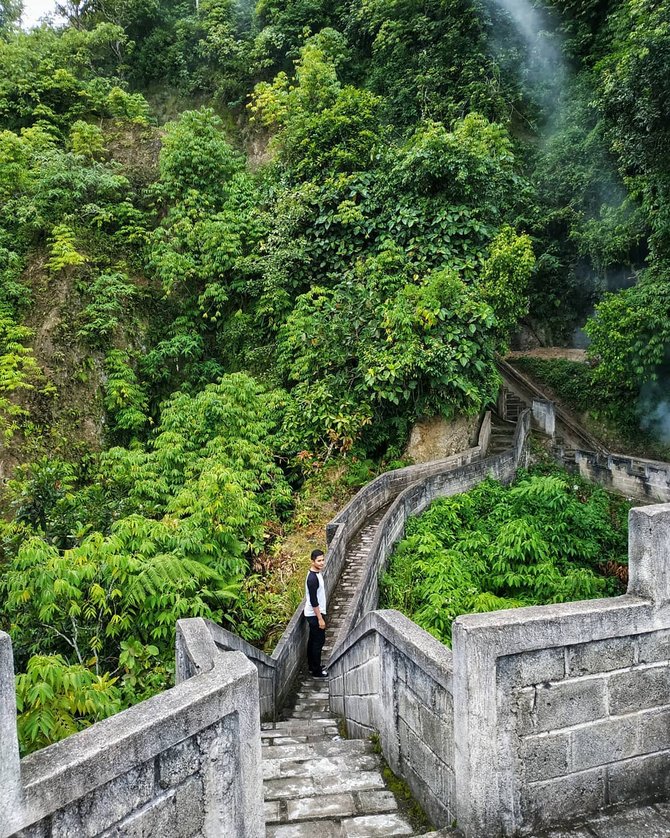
{"x": 240, "y": 241}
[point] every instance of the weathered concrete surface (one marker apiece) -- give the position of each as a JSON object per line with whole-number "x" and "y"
{"x": 649, "y": 553}
{"x": 634, "y": 477}
{"x": 629, "y": 822}
{"x": 184, "y": 763}
{"x": 544, "y": 416}
{"x": 10, "y": 776}
{"x": 393, "y": 677}
{"x": 326, "y": 780}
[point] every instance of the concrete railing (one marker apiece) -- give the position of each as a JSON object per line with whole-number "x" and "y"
{"x": 393, "y": 677}
{"x": 454, "y": 477}
{"x": 186, "y": 762}
{"x": 631, "y": 476}
{"x": 277, "y": 672}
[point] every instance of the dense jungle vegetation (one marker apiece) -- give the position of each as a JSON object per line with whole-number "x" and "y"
{"x": 243, "y": 246}
{"x": 549, "y": 538}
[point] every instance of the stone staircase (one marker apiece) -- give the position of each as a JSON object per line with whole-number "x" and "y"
{"x": 502, "y": 435}
{"x": 339, "y": 600}
{"x": 511, "y": 405}
{"x": 315, "y": 781}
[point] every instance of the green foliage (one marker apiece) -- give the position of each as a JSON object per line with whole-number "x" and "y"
{"x": 19, "y": 373}
{"x": 55, "y": 699}
{"x": 125, "y": 401}
{"x": 321, "y": 125}
{"x": 195, "y": 158}
{"x": 87, "y": 139}
{"x": 505, "y": 277}
{"x": 539, "y": 542}
{"x": 63, "y": 253}
{"x": 378, "y": 341}
{"x": 630, "y": 336}
{"x": 111, "y": 295}
{"x": 179, "y": 517}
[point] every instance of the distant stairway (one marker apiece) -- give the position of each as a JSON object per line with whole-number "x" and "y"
{"x": 340, "y": 599}
{"x": 502, "y": 435}
{"x": 511, "y": 406}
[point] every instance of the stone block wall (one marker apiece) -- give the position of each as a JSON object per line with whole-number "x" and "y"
{"x": 561, "y": 710}
{"x": 634, "y": 477}
{"x": 392, "y": 677}
{"x": 540, "y": 715}
{"x": 184, "y": 764}
{"x": 589, "y": 724}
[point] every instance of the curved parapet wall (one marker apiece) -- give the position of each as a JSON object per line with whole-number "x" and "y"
{"x": 186, "y": 762}
{"x": 414, "y": 499}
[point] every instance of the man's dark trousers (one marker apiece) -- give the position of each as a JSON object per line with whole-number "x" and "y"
{"x": 315, "y": 641}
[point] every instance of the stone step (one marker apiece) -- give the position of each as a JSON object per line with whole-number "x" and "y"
{"x": 316, "y": 750}
{"x": 326, "y": 806}
{"x": 274, "y": 769}
{"x": 288, "y": 725}
{"x": 309, "y": 785}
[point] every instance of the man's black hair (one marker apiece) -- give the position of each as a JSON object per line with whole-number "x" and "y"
{"x": 316, "y": 553}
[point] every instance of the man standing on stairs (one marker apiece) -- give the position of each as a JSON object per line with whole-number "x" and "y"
{"x": 315, "y": 611}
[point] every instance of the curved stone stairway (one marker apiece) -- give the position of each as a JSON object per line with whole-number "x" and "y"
{"x": 316, "y": 782}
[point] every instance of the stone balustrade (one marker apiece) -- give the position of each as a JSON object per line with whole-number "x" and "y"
{"x": 184, "y": 764}
{"x": 540, "y": 715}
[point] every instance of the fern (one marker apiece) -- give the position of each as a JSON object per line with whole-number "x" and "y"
{"x": 496, "y": 548}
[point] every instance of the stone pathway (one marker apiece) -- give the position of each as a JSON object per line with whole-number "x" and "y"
{"x": 339, "y": 600}
{"x": 317, "y": 783}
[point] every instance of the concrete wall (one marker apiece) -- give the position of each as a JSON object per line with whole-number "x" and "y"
{"x": 391, "y": 676}
{"x": 190, "y": 639}
{"x": 184, "y": 764}
{"x": 544, "y": 416}
{"x": 562, "y": 710}
{"x": 634, "y": 477}
{"x": 588, "y": 725}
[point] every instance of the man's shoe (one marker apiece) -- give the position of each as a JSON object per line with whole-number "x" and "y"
{"x": 321, "y": 674}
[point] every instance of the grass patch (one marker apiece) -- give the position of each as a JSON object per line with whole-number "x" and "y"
{"x": 408, "y": 806}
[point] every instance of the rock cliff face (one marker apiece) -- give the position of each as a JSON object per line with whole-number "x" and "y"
{"x": 436, "y": 438}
